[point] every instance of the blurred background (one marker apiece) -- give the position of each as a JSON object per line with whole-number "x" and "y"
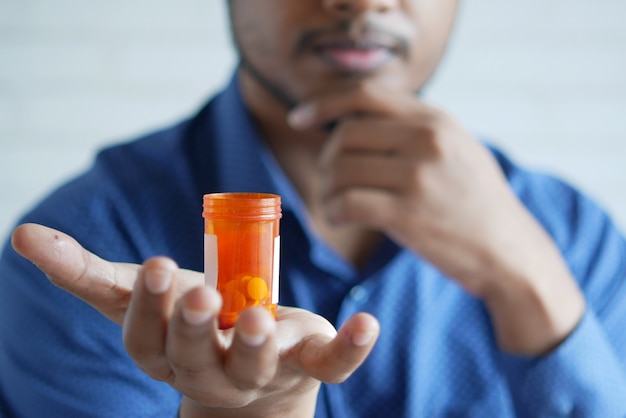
{"x": 544, "y": 79}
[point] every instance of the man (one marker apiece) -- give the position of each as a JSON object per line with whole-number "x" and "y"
{"x": 461, "y": 284}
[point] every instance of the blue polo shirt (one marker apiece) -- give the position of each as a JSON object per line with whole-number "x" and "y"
{"x": 436, "y": 356}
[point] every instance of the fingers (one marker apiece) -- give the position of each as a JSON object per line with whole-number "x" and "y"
{"x": 196, "y": 351}
{"x": 253, "y": 357}
{"x": 193, "y": 343}
{"x": 178, "y": 341}
{"x": 367, "y": 167}
{"x": 369, "y": 154}
{"x": 174, "y": 340}
{"x": 333, "y": 361}
{"x": 145, "y": 325}
{"x": 365, "y": 206}
{"x": 104, "y": 285}
{"x": 360, "y": 99}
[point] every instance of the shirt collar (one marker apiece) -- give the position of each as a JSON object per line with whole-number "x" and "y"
{"x": 238, "y": 145}
{"x": 244, "y": 162}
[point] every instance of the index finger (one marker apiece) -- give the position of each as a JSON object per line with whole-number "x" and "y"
{"x": 104, "y": 285}
{"x": 357, "y": 100}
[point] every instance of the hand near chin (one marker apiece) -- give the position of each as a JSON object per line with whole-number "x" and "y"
{"x": 262, "y": 367}
{"x": 395, "y": 164}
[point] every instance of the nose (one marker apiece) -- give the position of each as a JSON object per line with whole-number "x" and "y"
{"x": 350, "y": 8}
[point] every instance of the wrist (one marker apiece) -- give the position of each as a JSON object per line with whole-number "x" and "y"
{"x": 532, "y": 314}
{"x": 300, "y": 405}
{"x": 533, "y": 300}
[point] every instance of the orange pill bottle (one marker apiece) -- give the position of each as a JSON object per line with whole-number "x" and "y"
{"x": 242, "y": 251}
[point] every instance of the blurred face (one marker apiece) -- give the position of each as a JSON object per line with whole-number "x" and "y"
{"x": 298, "y": 48}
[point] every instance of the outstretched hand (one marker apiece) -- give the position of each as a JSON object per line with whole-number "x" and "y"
{"x": 169, "y": 321}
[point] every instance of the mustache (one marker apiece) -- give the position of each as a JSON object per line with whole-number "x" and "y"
{"x": 348, "y": 29}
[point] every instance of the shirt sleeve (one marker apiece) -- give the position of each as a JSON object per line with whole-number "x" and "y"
{"x": 586, "y": 375}
{"x": 583, "y": 377}
{"x": 59, "y": 357}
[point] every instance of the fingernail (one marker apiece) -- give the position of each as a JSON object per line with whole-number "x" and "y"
{"x": 196, "y": 317}
{"x": 253, "y": 340}
{"x": 361, "y": 339}
{"x": 301, "y": 117}
{"x": 158, "y": 281}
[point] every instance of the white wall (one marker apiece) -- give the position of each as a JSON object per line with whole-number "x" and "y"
{"x": 547, "y": 78}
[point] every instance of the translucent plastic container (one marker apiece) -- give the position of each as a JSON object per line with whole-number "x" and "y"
{"x": 242, "y": 251}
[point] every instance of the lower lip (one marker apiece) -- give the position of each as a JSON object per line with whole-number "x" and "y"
{"x": 356, "y": 60}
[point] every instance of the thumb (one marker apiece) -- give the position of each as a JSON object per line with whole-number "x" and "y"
{"x": 335, "y": 360}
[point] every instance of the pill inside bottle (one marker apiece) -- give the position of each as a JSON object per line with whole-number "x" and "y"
{"x": 242, "y": 251}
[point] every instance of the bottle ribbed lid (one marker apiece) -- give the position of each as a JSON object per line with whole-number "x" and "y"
{"x": 244, "y": 206}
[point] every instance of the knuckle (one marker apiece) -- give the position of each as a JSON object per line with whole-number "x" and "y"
{"x": 436, "y": 119}
{"x": 347, "y": 206}
{"x": 162, "y": 374}
{"x": 229, "y": 398}
{"x": 432, "y": 124}
{"x": 252, "y": 382}
{"x": 346, "y": 130}
{"x": 184, "y": 368}
{"x": 336, "y": 378}
{"x": 151, "y": 362}
{"x": 187, "y": 334}
{"x": 143, "y": 355}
